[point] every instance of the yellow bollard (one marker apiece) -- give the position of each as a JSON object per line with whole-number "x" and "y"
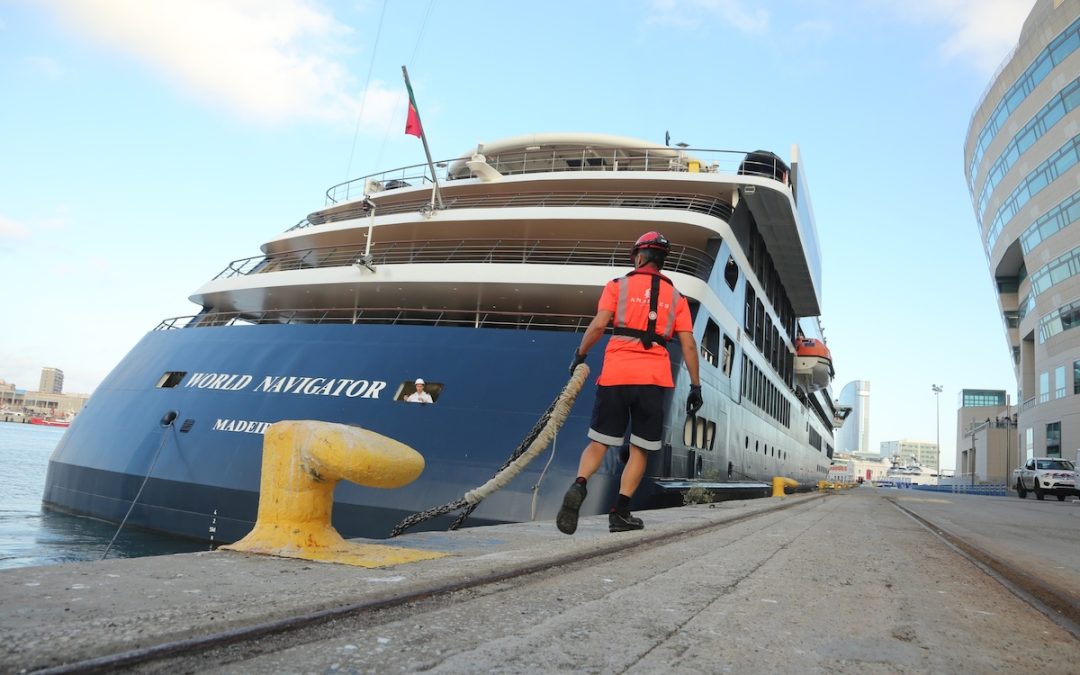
{"x": 779, "y": 483}
{"x": 302, "y": 462}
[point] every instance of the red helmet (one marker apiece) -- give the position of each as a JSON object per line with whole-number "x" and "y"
{"x": 655, "y": 244}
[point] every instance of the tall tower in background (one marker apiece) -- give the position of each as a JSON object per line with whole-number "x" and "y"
{"x": 1022, "y": 161}
{"x": 854, "y": 436}
{"x": 52, "y": 381}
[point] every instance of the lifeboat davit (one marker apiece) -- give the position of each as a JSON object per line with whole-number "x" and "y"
{"x": 813, "y": 364}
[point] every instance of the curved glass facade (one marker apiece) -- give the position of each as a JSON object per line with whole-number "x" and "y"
{"x": 1062, "y": 103}
{"x": 1049, "y": 171}
{"x": 1054, "y": 53}
{"x": 854, "y": 436}
{"x": 1050, "y": 223}
{"x": 1025, "y": 193}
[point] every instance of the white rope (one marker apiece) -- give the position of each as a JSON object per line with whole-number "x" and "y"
{"x": 555, "y": 421}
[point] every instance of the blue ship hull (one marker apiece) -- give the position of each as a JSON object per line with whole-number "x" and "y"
{"x": 229, "y": 383}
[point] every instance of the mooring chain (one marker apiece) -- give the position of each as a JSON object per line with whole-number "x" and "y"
{"x": 534, "y": 443}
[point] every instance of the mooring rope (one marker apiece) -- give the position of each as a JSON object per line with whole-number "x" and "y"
{"x": 153, "y": 463}
{"x": 537, "y": 439}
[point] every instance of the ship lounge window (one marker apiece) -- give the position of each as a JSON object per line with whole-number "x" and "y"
{"x": 731, "y": 273}
{"x": 170, "y": 379}
{"x": 710, "y": 343}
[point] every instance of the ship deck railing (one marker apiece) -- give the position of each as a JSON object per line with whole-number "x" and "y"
{"x": 681, "y": 259}
{"x": 383, "y": 315}
{"x": 568, "y": 158}
{"x": 706, "y": 204}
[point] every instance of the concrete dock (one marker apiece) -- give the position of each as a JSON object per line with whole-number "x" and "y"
{"x": 864, "y": 580}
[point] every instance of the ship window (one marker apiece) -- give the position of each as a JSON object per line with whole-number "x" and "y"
{"x": 418, "y": 391}
{"x": 710, "y": 344}
{"x": 170, "y": 379}
{"x": 759, "y": 325}
{"x": 748, "y": 315}
{"x": 731, "y": 273}
{"x": 729, "y": 356}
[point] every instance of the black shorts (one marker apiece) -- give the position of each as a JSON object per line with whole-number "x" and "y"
{"x": 639, "y": 405}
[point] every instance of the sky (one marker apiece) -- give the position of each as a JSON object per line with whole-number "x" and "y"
{"x": 145, "y": 144}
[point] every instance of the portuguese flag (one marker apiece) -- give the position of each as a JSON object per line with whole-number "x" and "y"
{"x": 412, "y": 123}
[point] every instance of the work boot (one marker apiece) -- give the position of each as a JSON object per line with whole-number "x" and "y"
{"x": 624, "y": 522}
{"x": 566, "y": 521}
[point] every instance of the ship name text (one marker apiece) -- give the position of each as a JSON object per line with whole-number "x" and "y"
{"x": 287, "y": 384}
{"x": 243, "y": 426}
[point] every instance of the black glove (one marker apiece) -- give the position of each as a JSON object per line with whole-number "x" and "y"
{"x": 578, "y": 360}
{"x": 693, "y": 399}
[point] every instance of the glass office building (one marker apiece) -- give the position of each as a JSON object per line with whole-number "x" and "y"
{"x": 854, "y": 436}
{"x": 1022, "y": 162}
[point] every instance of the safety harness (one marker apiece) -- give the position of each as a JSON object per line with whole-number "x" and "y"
{"x": 649, "y": 335}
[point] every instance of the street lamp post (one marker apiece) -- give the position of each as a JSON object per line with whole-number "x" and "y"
{"x": 937, "y": 404}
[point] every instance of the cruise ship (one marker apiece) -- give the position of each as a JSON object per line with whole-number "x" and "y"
{"x": 478, "y": 275}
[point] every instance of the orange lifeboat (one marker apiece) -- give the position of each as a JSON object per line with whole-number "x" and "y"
{"x": 813, "y": 364}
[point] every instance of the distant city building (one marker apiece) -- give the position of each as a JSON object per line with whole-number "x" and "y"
{"x": 986, "y": 448}
{"x": 859, "y": 466}
{"x": 905, "y": 452}
{"x": 1022, "y": 162}
{"x": 854, "y": 436}
{"x": 19, "y": 403}
{"x": 52, "y": 381}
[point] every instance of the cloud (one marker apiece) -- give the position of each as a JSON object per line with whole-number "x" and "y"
{"x": 43, "y": 65}
{"x": 690, "y": 14}
{"x": 14, "y": 233}
{"x": 983, "y": 32}
{"x": 265, "y": 60}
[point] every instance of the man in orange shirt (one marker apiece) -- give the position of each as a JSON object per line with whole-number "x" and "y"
{"x": 646, "y": 312}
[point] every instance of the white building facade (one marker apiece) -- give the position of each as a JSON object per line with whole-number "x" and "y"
{"x": 1022, "y": 163}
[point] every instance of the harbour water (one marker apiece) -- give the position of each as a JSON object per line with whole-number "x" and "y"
{"x": 30, "y": 535}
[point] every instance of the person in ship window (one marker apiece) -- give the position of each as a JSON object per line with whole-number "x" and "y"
{"x": 646, "y": 311}
{"x": 419, "y": 396}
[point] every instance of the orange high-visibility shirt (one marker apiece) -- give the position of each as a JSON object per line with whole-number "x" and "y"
{"x": 626, "y": 361}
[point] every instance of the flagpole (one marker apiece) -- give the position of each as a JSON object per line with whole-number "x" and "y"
{"x": 435, "y": 194}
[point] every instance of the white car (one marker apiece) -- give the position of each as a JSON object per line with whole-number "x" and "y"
{"x": 1046, "y": 475}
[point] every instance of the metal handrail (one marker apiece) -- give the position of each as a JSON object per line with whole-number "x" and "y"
{"x": 708, "y": 205}
{"x": 682, "y": 259}
{"x": 568, "y": 158}
{"x": 383, "y": 315}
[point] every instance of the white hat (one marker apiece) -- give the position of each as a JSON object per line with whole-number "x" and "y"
{"x": 418, "y": 381}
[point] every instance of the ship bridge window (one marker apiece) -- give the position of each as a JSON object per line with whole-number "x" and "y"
{"x": 731, "y": 273}
{"x": 418, "y": 391}
{"x": 170, "y": 379}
